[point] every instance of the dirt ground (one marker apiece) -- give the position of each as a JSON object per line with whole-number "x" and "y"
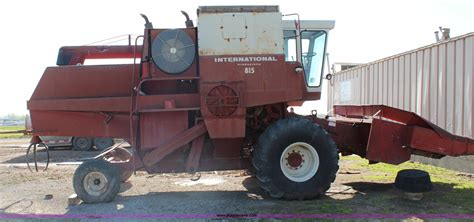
{"x": 359, "y": 189}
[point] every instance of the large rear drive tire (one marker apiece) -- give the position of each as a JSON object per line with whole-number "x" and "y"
{"x": 103, "y": 143}
{"x": 96, "y": 181}
{"x": 120, "y": 154}
{"x": 295, "y": 159}
{"x": 82, "y": 143}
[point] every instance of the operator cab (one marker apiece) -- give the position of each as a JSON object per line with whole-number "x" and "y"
{"x": 306, "y": 44}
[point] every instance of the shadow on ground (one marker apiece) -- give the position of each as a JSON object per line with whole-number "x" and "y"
{"x": 385, "y": 198}
{"x": 253, "y": 200}
{"x": 56, "y": 155}
{"x": 367, "y": 197}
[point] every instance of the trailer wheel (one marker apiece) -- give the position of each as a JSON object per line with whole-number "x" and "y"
{"x": 120, "y": 154}
{"x": 103, "y": 143}
{"x": 295, "y": 159}
{"x": 96, "y": 181}
{"x": 82, "y": 143}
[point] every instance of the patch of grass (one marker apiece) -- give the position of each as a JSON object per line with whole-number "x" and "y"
{"x": 452, "y": 193}
{"x": 324, "y": 205}
{"x": 11, "y": 128}
{"x": 11, "y": 135}
{"x": 459, "y": 196}
{"x": 389, "y": 172}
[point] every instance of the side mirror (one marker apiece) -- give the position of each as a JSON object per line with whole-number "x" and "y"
{"x": 328, "y": 76}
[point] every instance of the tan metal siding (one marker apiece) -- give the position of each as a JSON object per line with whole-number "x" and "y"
{"x": 434, "y": 81}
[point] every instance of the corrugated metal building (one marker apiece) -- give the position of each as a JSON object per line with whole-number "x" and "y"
{"x": 435, "y": 81}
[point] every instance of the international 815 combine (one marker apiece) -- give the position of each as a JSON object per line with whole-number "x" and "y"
{"x": 217, "y": 97}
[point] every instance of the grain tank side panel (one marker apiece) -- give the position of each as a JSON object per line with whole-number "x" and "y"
{"x": 83, "y": 101}
{"x": 68, "y": 82}
{"x": 86, "y": 124}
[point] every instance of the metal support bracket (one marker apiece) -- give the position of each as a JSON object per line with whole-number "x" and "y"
{"x": 192, "y": 164}
{"x": 174, "y": 143}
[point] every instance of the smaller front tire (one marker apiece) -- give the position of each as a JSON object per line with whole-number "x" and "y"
{"x": 96, "y": 181}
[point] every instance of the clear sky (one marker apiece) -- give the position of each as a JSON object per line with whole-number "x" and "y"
{"x": 366, "y": 30}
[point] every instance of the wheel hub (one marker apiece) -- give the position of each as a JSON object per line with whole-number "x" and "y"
{"x": 82, "y": 142}
{"x": 95, "y": 183}
{"x": 299, "y": 162}
{"x": 295, "y": 159}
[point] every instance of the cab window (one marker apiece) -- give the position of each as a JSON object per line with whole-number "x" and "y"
{"x": 290, "y": 45}
{"x": 312, "y": 53}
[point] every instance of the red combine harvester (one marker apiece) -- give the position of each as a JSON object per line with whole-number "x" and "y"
{"x": 216, "y": 97}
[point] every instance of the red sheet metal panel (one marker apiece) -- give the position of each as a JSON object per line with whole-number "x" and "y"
{"x": 430, "y": 141}
{"x": 266, "y": 81}
{"x": 388, "y": 142}
{"x": 181, "y": 101}
{"x": 88, "y": 124}
{"x": 83, "y": 101}
{"x": 350, "y": 137}
{"x": 68, "y": 82}
{"x": 158, "y": 128}
{"x": 228, "y": 148}
{"x": 104, "y": 104}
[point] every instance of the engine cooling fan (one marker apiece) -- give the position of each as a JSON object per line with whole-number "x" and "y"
{"x": 173, "y": 51}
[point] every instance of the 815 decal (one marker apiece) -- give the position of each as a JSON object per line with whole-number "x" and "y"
{"x": 249, "y": 70}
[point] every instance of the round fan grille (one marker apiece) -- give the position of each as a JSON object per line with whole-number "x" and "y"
{"x": 222, "y": 101}
{"x": 173, "y": 51}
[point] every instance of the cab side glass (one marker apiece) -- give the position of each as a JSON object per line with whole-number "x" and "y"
{"x": 290, "y": 45}
{"x": 313, "y": 46}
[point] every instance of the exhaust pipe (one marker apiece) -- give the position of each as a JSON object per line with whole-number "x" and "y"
{"x": 188, "y": 22}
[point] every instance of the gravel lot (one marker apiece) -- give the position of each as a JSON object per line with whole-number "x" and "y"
{"x": 356, "y": 190}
